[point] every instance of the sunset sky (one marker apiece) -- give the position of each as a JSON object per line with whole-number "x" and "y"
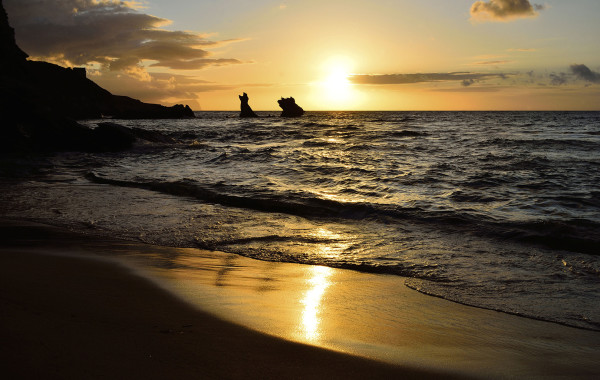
{"x": 329, "y": 55}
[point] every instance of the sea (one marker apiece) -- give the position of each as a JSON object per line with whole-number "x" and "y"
{"x": 498, "y": 210}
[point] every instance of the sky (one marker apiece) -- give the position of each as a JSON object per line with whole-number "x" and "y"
{"x": 328, "y": 55}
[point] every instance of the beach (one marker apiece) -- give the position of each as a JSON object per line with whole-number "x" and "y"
{"x": 402, "y": 193}
{"x": 65, "y": 317}
{"x": 71, "y": 308}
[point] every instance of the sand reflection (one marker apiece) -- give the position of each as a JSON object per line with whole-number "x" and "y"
{"x": 312, "y": 311}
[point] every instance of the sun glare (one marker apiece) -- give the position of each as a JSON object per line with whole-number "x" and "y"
{"x": 335, "y": 89}
{"x": 337, "y": 83}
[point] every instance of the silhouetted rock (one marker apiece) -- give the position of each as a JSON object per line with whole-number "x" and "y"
{"x": 12, "y": 55}
{"x": 113, "y": 137}
{"x": 152, "y": 136}
{"x": 290, "y": 108}
{"x": 246, "y": 111}
{"x": 71, "y": 94}
{"x": 109, "y": 136}
{"x": 39, "y": 102}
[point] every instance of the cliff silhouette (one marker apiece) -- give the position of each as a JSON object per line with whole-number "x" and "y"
{"x": 40, "y": 101}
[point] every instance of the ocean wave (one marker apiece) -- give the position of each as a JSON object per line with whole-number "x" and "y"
{"x": 407, "y": 133}
{"x": 283, "y": 204}
{"x": 316, "y": 143}
{"x": 359, "y": 147}
{"x": 574, "y": 235}
{"x": 471, "y": 197}
{"x": 543, "y": 144}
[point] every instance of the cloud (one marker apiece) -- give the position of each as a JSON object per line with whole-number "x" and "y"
{"x": 110, "y": 32}
{"x": 503, "y": 10}
{"x": 156, "y": 87}
{"x": 523, "y": 50}
{"x": 584, "y": 73}
{"x": 469, "y": 89}
{"x": 504, "y": 62}
{"x": 386, "y": 79}
{"x": 578, "y": 72}
{"x": 489, "y": 81}
{"x": 195, "y": 63}
{"x": 558, "y": 79}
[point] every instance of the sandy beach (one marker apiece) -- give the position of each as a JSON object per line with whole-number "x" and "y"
{"x": 299, "y": 190}
{"x": 68, "y": 317}
{"x": 74, "y": 306}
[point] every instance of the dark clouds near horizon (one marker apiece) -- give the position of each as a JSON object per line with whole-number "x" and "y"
{"x": 382, "y": 79}
{"x": 578, "y": 72}
{"x": 112, "y": 33}
{"x": 584, "y": 73}
{"x": 504, "y": 10}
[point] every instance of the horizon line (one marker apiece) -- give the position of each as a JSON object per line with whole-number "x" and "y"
{"x": 424, "y": 110}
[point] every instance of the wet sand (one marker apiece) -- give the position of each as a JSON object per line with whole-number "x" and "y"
{"x": 69, "y": 317}
{"x": 76, "y": 305}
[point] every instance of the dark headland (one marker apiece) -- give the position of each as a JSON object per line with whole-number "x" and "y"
{"x": 40, "y": 103}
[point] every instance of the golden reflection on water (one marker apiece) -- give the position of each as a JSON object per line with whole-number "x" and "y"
{"x": 312, "y": 311}
{"x": 334, "y": 243}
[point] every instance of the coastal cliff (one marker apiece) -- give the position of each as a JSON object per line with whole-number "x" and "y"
{"x": 40, "y": 101}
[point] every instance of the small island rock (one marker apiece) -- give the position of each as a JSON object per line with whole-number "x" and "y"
{"x": 246, "y": 110}
{"x": 290, "y": 108}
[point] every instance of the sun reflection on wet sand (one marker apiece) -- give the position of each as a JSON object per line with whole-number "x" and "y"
{"x": 311, "y": 314}
{"x": 367, "y": 315}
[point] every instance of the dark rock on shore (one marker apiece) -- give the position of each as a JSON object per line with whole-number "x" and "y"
{"x": 290, "y": 108}
{"x": 40, "y": 101}
{"x": 113, "y": 137}
{"x": 152, "y": 136}
{"x": 246, "y": 110}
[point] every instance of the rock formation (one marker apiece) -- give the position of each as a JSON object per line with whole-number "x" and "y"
{"x": 68, "y": 92}
{"x": 12, "y": 56}
{"x": 39, "y": 102}
{"x": 114, "y": 137}
{"x": 290, "y": 108}
{"x": 246, "y": 111}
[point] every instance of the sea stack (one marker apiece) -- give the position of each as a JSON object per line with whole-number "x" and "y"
{"x": 290, "y": 108}
{"x": 246, "y": 110}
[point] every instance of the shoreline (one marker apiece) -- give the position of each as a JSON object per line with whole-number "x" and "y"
{"x": 362, "y": 314}
{"x": 73, "y": 317}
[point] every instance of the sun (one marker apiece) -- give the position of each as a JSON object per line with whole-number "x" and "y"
{"x": 335, "y": 87}
{"x": 337, "y": 83}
